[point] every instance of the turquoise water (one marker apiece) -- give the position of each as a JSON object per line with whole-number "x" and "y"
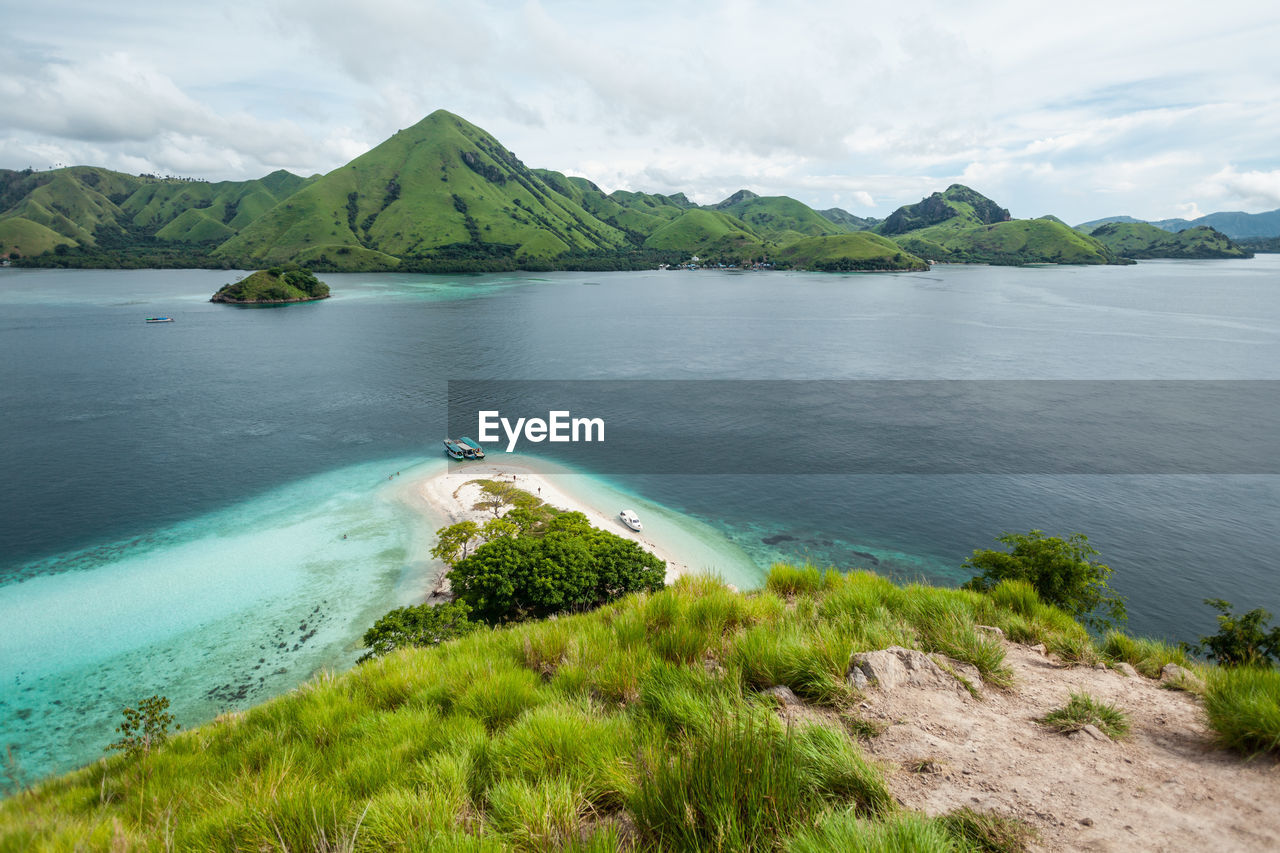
{"x": 174, "y": 497}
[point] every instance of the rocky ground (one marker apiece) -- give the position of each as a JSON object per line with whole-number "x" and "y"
{"x": 1166, "y": 786}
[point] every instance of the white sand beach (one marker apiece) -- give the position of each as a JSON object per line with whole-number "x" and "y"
{"x": 448, "y": 495}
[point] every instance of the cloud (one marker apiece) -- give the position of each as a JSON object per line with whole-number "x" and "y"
{"x": 1254, "y": 188}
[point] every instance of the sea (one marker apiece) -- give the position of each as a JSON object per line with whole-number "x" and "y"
{"x": 213, "y": 509}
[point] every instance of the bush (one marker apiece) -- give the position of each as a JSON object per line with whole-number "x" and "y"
{"x": 144, "y": 728}
{"x": 1241, "y": 640}
{"x": 1062, "y": 571}
{"x": 417, "y": 627}
{"x": 568, "y": 568}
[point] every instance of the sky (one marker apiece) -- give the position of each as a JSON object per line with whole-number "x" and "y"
{"x": 1083, "y": 109}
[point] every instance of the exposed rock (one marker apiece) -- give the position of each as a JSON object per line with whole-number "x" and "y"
{"x": 967, "y": 671}
{"x": 1086, "y": 821}
{"x": 1039, "y": 648}
{"x": 1094, "y": 732}
{"x": 991, "y": 629}
{"x": 895, "y": 667}
{"x": 1125, "y": 668}
{"x": 784, "y": 695}
{"x": 1181, "y": 678}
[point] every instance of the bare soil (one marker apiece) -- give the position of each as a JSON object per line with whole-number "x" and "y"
{"x": 1166, "y": 786}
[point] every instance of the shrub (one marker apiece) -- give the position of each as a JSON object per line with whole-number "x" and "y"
{"x": 1243, "y": 706}
{"x": 1241, "y": 640}
{"x": 1062, "y": 571}
{"x": 417, "y": 627}
{"x": 144, "y": 727}
{"x": 1084, "y": 710}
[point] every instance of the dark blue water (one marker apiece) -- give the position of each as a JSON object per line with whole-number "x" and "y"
{"x": 139, "y": 461}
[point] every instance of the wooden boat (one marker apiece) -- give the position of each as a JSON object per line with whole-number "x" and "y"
{"x": 453, "y": 449}
{"x": 159, "y": 319}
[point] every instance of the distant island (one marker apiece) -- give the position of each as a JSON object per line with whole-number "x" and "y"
{"x": 275, "y": 286}
{"x": 445, "y": 196}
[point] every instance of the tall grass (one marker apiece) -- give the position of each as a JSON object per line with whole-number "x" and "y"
{"x": 1243, "y": 704}
{"x": 547, "y": 735}
{"x": 1147, "y": 656}
{"x": 1083, "y": 710}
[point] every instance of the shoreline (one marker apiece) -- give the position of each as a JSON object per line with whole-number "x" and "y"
{"x": 442, "y": 496}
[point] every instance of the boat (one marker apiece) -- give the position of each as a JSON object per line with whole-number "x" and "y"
{"x": 159, "y": 319}
{"x": 475, "y": 447}
{"x": 453, "y": 449}
{"x": 630, "y": 519}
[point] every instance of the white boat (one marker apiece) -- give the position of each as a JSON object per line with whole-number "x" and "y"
{"x": 630, "y": 519}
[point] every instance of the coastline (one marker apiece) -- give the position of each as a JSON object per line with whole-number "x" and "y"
{"x": 444, "y": 495}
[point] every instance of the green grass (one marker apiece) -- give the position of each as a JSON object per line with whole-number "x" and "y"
{"x": 1243, "y": 705}
{"x": 777, "y": 218}
{"x": 1147, "y": 656}
{"x": 1083, "y": 710}
{"x": 1141, "y": 240}
{"x": 709, "y": 234}
{"x": 641, "y": 722}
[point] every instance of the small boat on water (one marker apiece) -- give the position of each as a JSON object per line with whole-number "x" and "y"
{"x": 454, "y": 449}
{"x": 630, "y": 519}
{"x": 476, "y": 450}
{"x": 159, "y": 319}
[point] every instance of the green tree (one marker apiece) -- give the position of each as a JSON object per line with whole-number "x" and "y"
{"x": 1241, "y": 640}
{"x": 1063, "y": 572}
{"x": 144, "y": 727}
{"x": 452, "y": 542}
{"x": 420, "y": 626}
{"x": 570, "y": 567}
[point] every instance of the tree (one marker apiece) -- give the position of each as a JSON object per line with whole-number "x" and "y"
{"x": 1063, "y": 572}
{"x": 453, "y": 541}
{"x": 417, "y": 627}
{"x": 1241, "y": 640}
{"x": 570, "y": 567}
{"x": 144, "y": 727}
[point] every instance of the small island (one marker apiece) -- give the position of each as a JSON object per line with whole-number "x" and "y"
{"x": 275, "y": 286}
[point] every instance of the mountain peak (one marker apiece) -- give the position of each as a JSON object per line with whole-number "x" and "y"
{"x": 736, "y": 198}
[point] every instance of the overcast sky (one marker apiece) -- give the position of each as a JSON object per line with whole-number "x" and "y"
{"x": 1083, "y": 110}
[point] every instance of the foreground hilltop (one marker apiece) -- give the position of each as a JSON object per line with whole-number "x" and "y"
{"x": 822, "y": 713}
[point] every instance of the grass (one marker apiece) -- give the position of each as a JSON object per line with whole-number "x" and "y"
{"x": 639, "y": 724}
{"x": 1084, "y": 710}
{"x": 1147, "y": 656}
{"x": 860, "y": 250}
{"x": 1243, "y": 705}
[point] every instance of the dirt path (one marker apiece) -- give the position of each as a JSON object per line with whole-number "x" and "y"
{"x": 1165, "y": 787}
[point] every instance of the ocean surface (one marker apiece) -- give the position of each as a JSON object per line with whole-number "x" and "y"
{"x": 173, "y": 498}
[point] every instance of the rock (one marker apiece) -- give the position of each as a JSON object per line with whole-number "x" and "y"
{"x": 784, "y": 695}
{"x": 1039, "y": 648}
{"x": 967, "y": 671}
{"x": 1094, "y": 732}
{"x": 1181, "y": 678}
{"x": 991, "y": 629}
{"x": 895, "y": 667}
{"x": 1100, "y": 666}
{"x": 1126, "y": 669}
{"x": 1086, "y": 821}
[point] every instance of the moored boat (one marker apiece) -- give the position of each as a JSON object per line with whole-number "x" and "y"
{"x": 473, "y": 445}
{"x": 454, "y": 450}
{"x": 630, "y": 519}
{"x": 159, "y": 319}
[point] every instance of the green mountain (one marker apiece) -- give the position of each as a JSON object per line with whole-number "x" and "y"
{"x": 964, "y": 226}
{"x": 851, "y": 223}
{"x": 442, "y": 189}
{"x": 88, "y": 207}
{"x": 709, "y": 234}
{"x": 273, "y": 286}
{"x": 779, "y": 219}
{"x": 1140, "y": 240}
{"x": 1234, "y": 224}
{"x": 843, "y": 252}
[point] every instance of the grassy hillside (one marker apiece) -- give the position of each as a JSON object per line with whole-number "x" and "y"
{"x": 709, "y": 234}
{"x": 642, "y": 723}
{"x": 958, "y": 207}
{"x": 442, "y": 188}
{"x": 779, "y": 219}
{"x": 858, "y": 251}
{"x": 20, "y": 237}
{"x": 848, "y": 220}
{"x": 1140, "y": 240}
{"x": 1019, "y": 241}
